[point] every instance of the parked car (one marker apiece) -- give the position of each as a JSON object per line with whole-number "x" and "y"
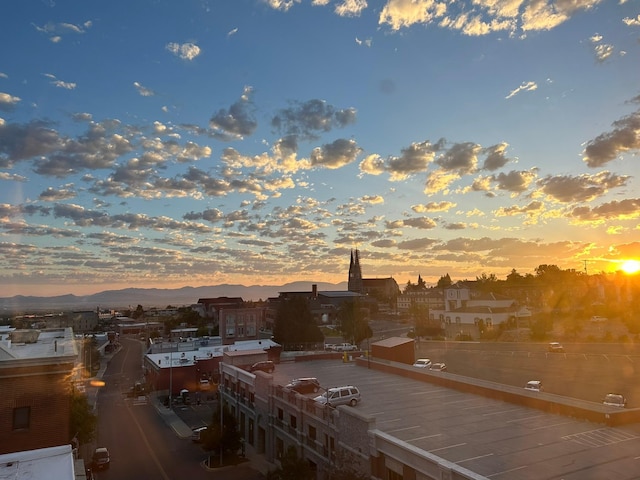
{"x": 556, "y": 347}
{"x": 304, "y": 385}
{"x": 615, "y": 400}
{"x": 534, "y": 386}
{"x": 264, "y": 366}
{"x": 438, "y": 367}
{"x": 347, "y": 395}
{"x": 101, "y": 458}
{"x": 422, "y": 363}
{"x": 205, "y": 385}
{"x": 196, "y": 434}
{"x": 340, "y": 347}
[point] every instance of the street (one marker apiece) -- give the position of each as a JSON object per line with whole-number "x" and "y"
{"x": 141, "y": 444}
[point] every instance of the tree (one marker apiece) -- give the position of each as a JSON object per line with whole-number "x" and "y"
{"x": 295, "y": 324}
{"x": 292, "y": 467}
{"x": 82, "y": 421}
{"x": 226, "y": 437}
{"x": 138, "y": 313}
{"x": 354, "y": 326}
{"x": 444, "y": 281}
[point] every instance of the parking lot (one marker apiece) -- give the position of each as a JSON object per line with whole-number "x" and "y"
{"x": 493, "y": 438}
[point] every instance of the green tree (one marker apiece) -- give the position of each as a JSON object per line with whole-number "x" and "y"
{"x": 292, "y": 467}
{"x": 295, "y": 324}
{"x": 353, "y": 321}
{"x": 82, "y": 421}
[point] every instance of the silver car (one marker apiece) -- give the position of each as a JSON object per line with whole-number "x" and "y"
{"x": 347, "y": 395}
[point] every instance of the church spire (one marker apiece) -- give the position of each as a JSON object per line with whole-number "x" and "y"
{"x": 355, "y": 273}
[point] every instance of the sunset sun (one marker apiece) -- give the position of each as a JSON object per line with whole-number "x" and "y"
{"x": 631, "y": 266}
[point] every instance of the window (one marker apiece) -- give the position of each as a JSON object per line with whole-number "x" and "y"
{"x": 293, "y": 421}
{"x": 21, "y": 418}
{"x": 280, "y": 414}
{"x": 312, "y": 432}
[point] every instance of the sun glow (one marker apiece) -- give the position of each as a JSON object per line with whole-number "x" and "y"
{"x": 630, "y": 266}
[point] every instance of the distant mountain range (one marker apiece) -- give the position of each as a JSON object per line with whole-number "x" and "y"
{"x": 156, "y": 297}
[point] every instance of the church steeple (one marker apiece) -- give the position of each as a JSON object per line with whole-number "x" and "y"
{"x": 355, "y": 273}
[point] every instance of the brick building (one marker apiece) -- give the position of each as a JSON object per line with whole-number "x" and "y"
{"x": 36, "y": 368}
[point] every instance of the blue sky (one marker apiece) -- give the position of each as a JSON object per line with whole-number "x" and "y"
{"x": 167, "y": 144}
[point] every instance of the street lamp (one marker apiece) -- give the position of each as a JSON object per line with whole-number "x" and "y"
{"x": 170, "y": 375}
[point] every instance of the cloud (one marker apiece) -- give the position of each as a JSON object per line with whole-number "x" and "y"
{"x": 143, "y": 91}
{"x": 481, "y": 17}
{"x": 57, "y": 30}
{"x": 524, "y": 87}
{"x": 51, "y": 194}
{"x": 185, "y": 51}
{"x": 632, "y": 22}
{"x": 283, "y": 5}
{"x": 24, "y": 141}
{"x": 335, "y": 155}
{"x": 8, "y": 102}
{"x": 533, "y": 208}
{"x": 417, "y": 244}
{"x": 582, "y": 188}
{"x": 495, "y": 157}
{"x": 433, "y": 207}
{"x": 308, "y": 118}
{"x": 615, "y": 210}
{"x": 461, "y": 158}
{"x": 367, "y": 42}
{"x": 350, "y": 8}
{"x": 515, "y": 181}
{"x": 413, "y": 159}
{"x": 602, "y": 51}
{"x": 373, "y": 199}
{"x": 423, "y": 223}
{"x": 606, "y": 147}
{"x": 236, "y": 122}
{"x": 232, "y": 32}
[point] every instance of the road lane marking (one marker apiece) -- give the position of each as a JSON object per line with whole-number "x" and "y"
{"x": 422, "y": 438}
{"x": 506, "y": 471}
{"x": 474, "y": 458}
{"x": 403, "y": 429}
{"x": 501, "y": 412}
{"x": 448, "y": 447}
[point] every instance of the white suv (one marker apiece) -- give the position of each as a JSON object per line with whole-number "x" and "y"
{"x": 347, "y": 395}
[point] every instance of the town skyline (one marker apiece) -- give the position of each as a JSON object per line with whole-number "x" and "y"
{"x": 189, "y": 145}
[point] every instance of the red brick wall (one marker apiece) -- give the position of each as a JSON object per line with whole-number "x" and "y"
{"x": 45, "y": 389}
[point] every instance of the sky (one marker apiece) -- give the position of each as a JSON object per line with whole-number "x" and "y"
{"x": 162, "y": 144}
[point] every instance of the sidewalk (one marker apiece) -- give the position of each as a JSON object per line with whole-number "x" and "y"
{"x": 256, "y": 461}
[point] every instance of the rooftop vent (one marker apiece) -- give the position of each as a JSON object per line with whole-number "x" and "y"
{"x": 24, "y": 336}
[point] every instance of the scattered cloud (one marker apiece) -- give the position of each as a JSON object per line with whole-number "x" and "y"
{"x": 185, "y": 51}
{"x": 524, "y": 87}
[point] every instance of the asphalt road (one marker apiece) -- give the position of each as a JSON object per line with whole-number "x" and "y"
{"x": 585, "y": 371}
{"x": 140, "y": 442}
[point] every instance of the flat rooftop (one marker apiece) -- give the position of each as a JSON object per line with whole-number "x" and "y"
{"x": 496, "y": 439}
{"x": 50, "y": 343}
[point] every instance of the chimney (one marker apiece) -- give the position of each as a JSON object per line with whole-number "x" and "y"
{"x": 314, "y": 290}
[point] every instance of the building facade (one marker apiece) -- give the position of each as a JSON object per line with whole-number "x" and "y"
{"x": 36, "y": 370}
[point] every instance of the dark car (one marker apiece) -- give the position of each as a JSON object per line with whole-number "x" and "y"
{"x": 264, "y": 366}
{"x": 304, "y": 385}
{"x": 101, "y": 459}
